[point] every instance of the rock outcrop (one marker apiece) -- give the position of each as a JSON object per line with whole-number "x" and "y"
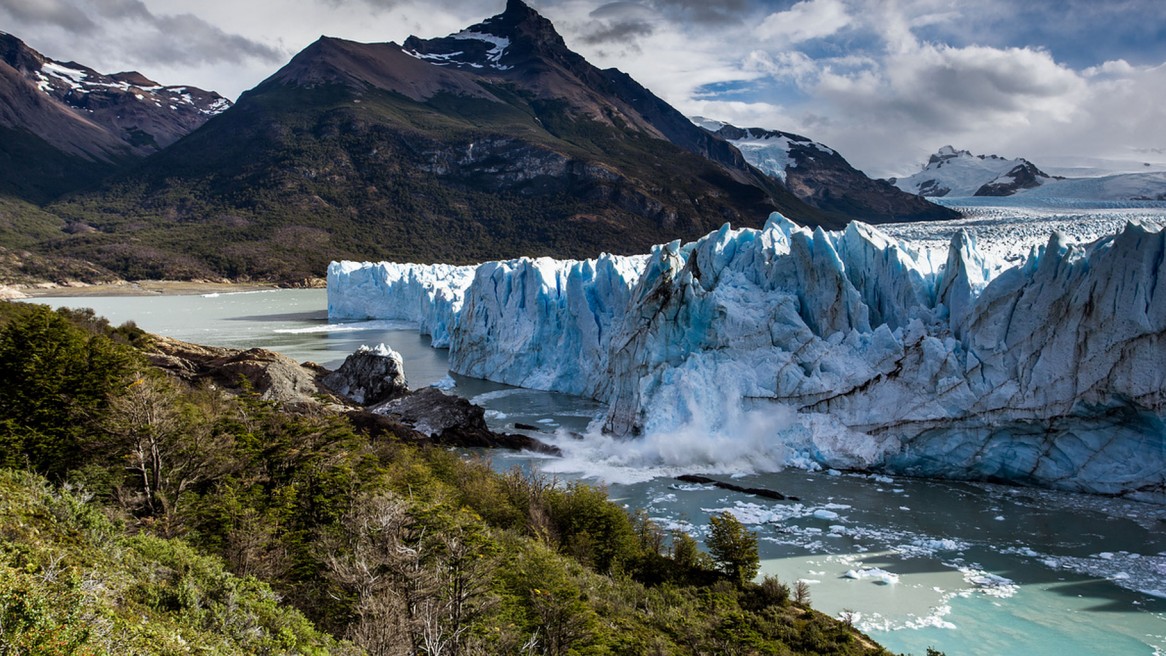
{"x": 375, "y": 375}
{"x": 452, "y": 421}
{"x": 369, "y": 376}
{"x": 271, "y": 375}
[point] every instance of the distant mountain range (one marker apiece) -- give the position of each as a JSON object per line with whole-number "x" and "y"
{"x": 959, "y": 173}
{"x": 821, "y": 177}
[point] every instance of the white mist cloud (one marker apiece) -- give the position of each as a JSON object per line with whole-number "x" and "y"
{"x": 809, "y": 19}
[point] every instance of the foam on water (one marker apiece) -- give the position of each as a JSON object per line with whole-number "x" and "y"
{"x": 352, "y": 327}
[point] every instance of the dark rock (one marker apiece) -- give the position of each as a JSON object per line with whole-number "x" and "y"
{"x": 434, "y": 416}
{"x": 756, "y": 491}
{"x": 521, "y": 426}
{"x": 1022, "y": 176}
{"x": 369, "y": 376}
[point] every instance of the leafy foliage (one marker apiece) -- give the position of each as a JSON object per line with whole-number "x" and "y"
{"x": 733, "y": 547}
{"x": 241, "y": 528}
{"x": 58, "y": 379}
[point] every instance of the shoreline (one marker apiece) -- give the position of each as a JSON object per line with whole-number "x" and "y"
{"x": 137, "y": 288}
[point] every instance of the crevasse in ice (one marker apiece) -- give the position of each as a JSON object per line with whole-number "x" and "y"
{"x": 1051, "y": 373}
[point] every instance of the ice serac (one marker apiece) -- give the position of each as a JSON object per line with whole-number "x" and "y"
{"x": 876, "y": 355}
{"x": 1053, "y": 373}
{"x": 542, "y": 323}
{"x": 428, "y": 295}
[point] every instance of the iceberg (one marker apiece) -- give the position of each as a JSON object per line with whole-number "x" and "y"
{"x": 875, "y": 354}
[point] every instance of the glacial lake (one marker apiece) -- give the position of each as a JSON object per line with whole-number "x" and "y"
{"x": 967, "y": 568}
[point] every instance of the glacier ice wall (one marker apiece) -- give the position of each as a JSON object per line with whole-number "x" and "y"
{"x": 1052, "y": 372}
{"x": 429, "y": 295}
{"x": 542, "y": 323}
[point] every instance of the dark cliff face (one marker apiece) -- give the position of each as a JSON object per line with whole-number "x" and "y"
{"x": 495, "y": 142}
{"x": 822, "y": 177}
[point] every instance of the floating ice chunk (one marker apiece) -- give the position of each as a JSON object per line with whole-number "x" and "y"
{"x": 876, "y": 574}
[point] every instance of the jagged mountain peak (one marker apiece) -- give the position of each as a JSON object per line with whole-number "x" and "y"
{"x": 500, "y": 43}
{"x": 952, "y": 172}
{"x": 66, "y": 121}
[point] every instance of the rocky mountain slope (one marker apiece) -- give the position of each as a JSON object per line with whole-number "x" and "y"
{"x": 822, "y": 177}
{"x": 64, "y": 124}
{"x": 495, "y": 141}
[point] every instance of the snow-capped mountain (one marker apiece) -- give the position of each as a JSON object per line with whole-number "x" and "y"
{"x": 823, "y": 178}
{"x": 850, "y": 349}
{"x": 65, "y": 124}
{"x": 952, "y": 172}
{"x": 495, "y": 141}
{"x": 132, "y": 109}
{"x": 955, "y": 173}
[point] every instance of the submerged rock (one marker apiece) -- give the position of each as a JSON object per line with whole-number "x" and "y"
{"x": 763, "y": 492}
{"x": 452, "y": 421}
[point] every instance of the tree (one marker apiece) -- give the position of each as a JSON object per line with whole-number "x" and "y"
{"x": 166, "y": 444}
{"x": 733, "y": 548}
{"x": 57, "y": 379}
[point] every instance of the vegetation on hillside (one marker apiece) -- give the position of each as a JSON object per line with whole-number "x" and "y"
{"x": 292, "y": 177}
{"x": 139, "y": 515}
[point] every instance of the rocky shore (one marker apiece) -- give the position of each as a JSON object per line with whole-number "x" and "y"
{"x": 370, "y": 388}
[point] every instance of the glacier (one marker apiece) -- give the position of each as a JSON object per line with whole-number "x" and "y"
{"x": 868, "y": 352}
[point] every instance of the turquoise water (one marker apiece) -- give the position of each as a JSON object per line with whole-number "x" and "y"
{"x": 966, "y": 568}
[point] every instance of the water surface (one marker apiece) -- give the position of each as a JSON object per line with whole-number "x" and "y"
{"x": 966, "y": 568}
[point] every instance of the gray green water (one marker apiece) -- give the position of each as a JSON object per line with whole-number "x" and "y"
{"x": 966, "y": 568}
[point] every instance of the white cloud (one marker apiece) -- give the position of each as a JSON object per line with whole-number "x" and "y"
{"x": 809, "y": 19}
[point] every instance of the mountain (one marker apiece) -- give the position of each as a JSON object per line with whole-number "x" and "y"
{"x": 64, "y": 125}
{"x": 495, "y": 141}
{"x": 821, "y": 177}
{"x": 952, "y": 172}
{"x": 957, "y": 173}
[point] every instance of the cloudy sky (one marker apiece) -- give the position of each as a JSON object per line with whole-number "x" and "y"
{"x": 884, "y": 82}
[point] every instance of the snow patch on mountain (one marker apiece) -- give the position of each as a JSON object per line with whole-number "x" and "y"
{"x": 771, "y": 151}
{"x": 439, "y": 51}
